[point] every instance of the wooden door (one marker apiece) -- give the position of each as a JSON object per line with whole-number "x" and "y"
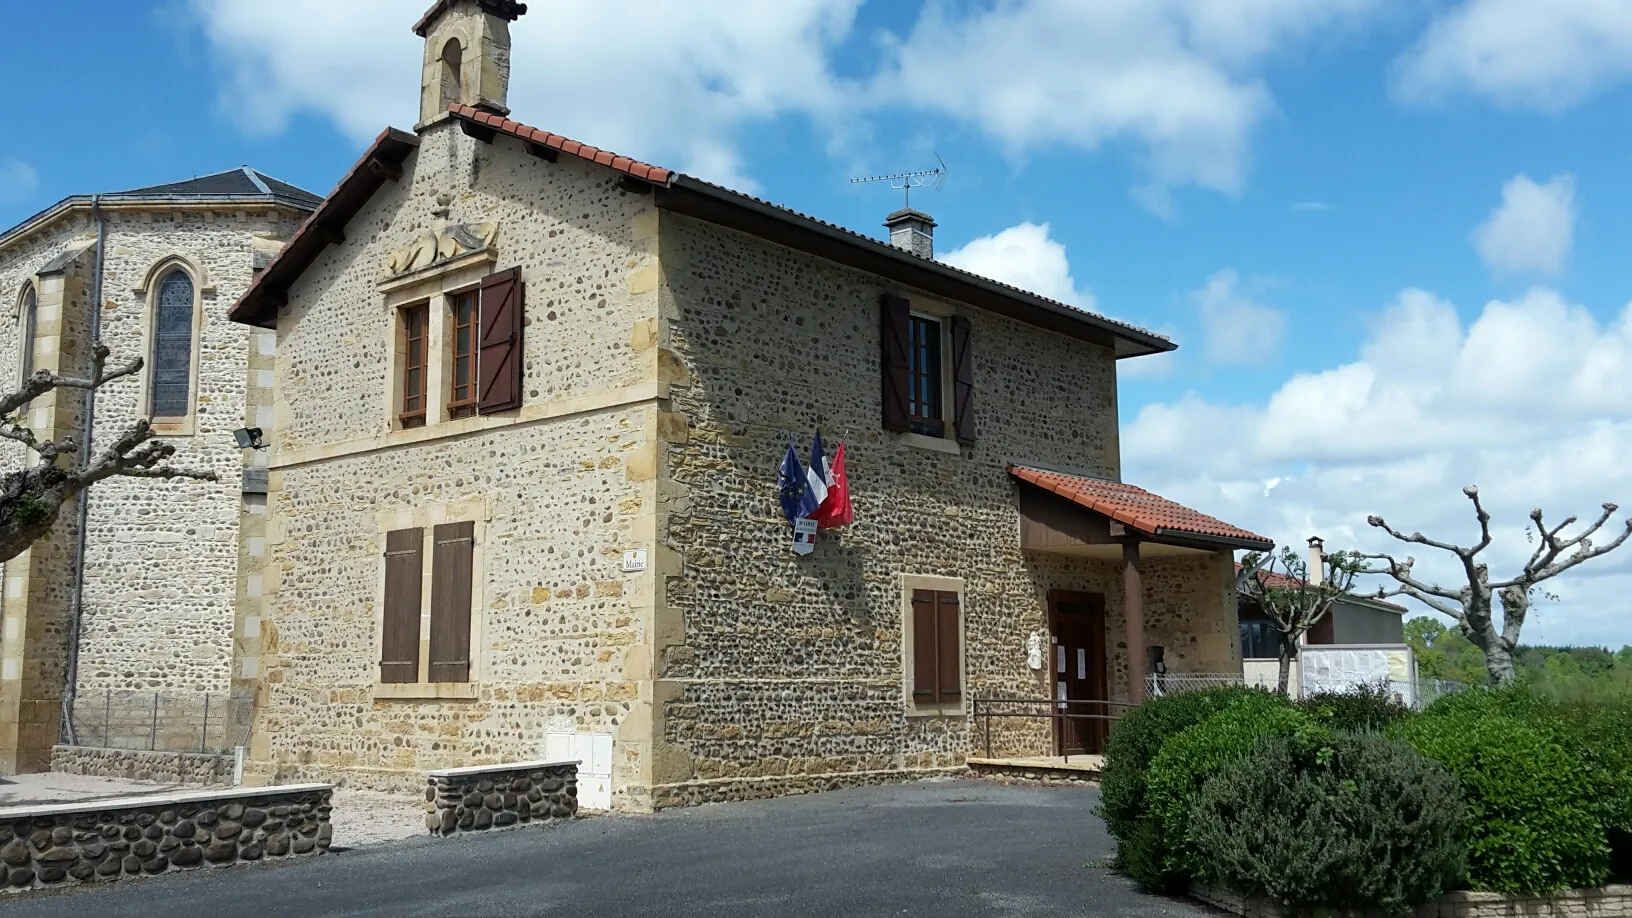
{"x": 1079, "y": 667}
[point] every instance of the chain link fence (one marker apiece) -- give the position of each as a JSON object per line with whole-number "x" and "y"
{"x": 200, "y": 722}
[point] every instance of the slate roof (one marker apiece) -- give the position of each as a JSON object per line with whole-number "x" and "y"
{"x": 1135, "y": 507}
{"x": 232, "y": 183}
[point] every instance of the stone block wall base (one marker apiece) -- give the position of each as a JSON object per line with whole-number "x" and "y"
{"x": 499, "y": 796}
{"x": 139, "y": 765}
{"x": 1016, "y": 774}
{"x": 725, "y": 790}
{"x": 1605, "y": 902}
{"x": 108, "y": 840}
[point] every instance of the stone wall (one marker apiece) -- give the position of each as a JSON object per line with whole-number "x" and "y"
{"x": 499, "y": 796}
{"x": 108, "y": 840}
{"x": 1605, "y": 902}
{"x": 559, "y": 489}
{"x": 788, "y": 670}
{"x": 136, "y": 765}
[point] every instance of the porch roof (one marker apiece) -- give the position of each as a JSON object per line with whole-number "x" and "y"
{"x": 1148, "y": 514}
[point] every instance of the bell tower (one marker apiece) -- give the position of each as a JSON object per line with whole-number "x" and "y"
{"x": 467, "y": 55}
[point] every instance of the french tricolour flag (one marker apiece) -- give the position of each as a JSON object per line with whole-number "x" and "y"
{"x": 829, "y": 485}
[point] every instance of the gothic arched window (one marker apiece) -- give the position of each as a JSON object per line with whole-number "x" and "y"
{"x": 173, "y": 346}
{"x": 27, "y": 315}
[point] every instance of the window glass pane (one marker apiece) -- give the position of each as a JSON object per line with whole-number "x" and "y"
{"x": 173, "y": 346}
{"x": 30, "y": 308}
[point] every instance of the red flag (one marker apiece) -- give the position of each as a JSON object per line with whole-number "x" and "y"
{"x": 835, "y": 511}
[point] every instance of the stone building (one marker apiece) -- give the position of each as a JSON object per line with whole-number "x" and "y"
{"x": 160, "y": 588}
{"x": 531, "y": 397}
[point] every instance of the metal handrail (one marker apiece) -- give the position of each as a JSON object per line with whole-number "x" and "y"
{"x": 1057, "y": 712}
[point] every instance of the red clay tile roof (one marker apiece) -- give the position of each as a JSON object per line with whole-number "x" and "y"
{"x": 1138, "y": 508}
{"x": 504, "y": 9}
{"x": 640, "y": 170}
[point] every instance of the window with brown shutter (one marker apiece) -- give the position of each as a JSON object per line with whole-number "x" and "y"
{"x": 399, "y": 640}
{"x": 462, "y": 394}
{"x": 415, "y": 325}
{"x": 451, "y": 574}
{"x": 963, "y": 380}
{"x": 896, "y": 314}
{"x": 937, "y": 647}
{"x": 500, "y": 364}
{"x": 924, "y": 376}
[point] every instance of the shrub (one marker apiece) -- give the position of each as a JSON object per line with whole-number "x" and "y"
{"x": 1602, "y": 737}
{"x": 1357, "y": 710}
{"x": 1195, "y": 754}
{"x": 1533, "y": 823}
{"x": 1364, "y": 822}
{"x": 1136, "y": 739}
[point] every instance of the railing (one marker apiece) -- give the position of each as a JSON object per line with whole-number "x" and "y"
{"x": 1159, "y": 684}
{"x": 200, "y": 722}
{"x": 1053, "y": 710}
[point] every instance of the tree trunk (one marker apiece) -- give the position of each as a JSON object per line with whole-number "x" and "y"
{"x": 1289, "y": 652}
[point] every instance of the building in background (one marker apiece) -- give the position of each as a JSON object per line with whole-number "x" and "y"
{"x": 159, "y": 632}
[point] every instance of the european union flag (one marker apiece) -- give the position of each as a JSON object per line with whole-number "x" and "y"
{"x": 795, "y": 490}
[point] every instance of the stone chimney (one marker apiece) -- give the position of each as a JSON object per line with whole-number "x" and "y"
{"x": 912, "y": 231}
{"x": 467, "y": 56}
{"x": 1317, "y": 560}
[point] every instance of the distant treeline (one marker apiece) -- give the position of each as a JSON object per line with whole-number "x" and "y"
{"x": 1564, "y": 673}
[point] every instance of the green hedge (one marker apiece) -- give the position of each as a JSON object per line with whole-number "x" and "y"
{"x": 1195, "y": 754}
{"x": 1602, "y": 735}
{"x": 1534, "y": 820}
{"x": 1134, "y": 742}
{"x": 1362, "y": 822}
{"x": 1357, "y": 710}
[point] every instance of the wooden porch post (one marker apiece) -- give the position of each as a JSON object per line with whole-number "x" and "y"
{"x": 1133, "y": 613}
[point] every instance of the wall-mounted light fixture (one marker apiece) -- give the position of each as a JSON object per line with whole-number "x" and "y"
{"x": 249, "y": 438}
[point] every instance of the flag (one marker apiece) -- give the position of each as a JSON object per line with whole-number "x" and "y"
{"x": 817, "y": 476}
{"x": 836, "y": 510}
{"x": 793, "y": 486}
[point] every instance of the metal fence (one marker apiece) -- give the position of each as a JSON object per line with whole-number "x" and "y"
{"x": 1419, "y": 693}
{"x": 202, "y": 722}
{"x": 1027, "y": 727}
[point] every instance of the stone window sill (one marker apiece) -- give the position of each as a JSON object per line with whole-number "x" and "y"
{"x": 932, "y": 709}
{"x": 424, "y": 691}
{"x": 933, "y": 444}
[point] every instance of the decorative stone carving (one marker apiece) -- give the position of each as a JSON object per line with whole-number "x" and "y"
{"x": 439, "y": 247}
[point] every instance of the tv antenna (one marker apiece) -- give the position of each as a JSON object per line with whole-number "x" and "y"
{"x": 906, "y": 181}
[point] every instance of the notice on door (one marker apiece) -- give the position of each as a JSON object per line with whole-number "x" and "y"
{"x": 1082, "y": 662}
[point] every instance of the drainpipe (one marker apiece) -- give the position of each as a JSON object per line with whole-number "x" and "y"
{"x": 76, "y": 607}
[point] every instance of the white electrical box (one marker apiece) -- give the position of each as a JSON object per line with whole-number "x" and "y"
{"x": 593, "y": 751}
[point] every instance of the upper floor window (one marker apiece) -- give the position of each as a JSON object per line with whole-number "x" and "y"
{"x": 415, "y": 335}
{"x": 172, "y": 365}
{"x": 462, "y": 399}
{"x": 924, "y": 375}
{"x": 29, "y": 317}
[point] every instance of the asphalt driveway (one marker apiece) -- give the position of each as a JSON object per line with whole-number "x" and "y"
{"x": 942, "y": 848}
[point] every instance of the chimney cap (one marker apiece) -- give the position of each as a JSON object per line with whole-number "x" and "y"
{"x": 908, "y": 215}
{"x": 1316, "y": 541}
{"x": 504, "y": 9}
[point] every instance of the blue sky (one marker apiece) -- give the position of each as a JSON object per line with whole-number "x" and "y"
{"x": 1387, "y": 234}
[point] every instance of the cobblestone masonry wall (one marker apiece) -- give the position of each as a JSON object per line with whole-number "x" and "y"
{"x": 161, "y": 557}
{"x": 110, "y": 840}
{"x": 478, "y": 799}
{"x": 559, "y": 489}
{"x": 793, "y": 667}
{"x": 135, "y": 765}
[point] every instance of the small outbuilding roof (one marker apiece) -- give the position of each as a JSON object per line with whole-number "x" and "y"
{"x": 1139, "y": 509}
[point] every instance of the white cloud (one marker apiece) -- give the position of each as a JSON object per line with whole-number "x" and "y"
{"x": 1237, "y": 331}
{"x": 1538, "y": 54}
{"x": 1532, "y": 229}
{"x": 1178, "y": 79}
{"x": 649, "y": 78}
{"x": 17, "y": 178}
{"x": 1026, "y": 256}
{"x": 1312, "y": 207}
{"x": 1528, "y": 402}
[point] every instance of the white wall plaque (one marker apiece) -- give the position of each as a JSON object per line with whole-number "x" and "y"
{"x": 804, "y": 536}
{"x": 634, "y": 561}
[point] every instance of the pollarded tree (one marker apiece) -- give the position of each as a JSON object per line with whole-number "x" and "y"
{"x": 1472, "y": 607}
{"x": 32, "y": 497}
{"x": 1294, "y": 600}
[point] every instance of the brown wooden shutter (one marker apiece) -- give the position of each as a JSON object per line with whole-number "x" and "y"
{"x": 451, "y": 572}
{"x": 399, "y": 642}
{"x": 963, "y": 380}
{"x": 949, "y": 683}
{"x": 925, "y": 652}
{"x": 499, "y": 364}
{"x": 896, "y": 313}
